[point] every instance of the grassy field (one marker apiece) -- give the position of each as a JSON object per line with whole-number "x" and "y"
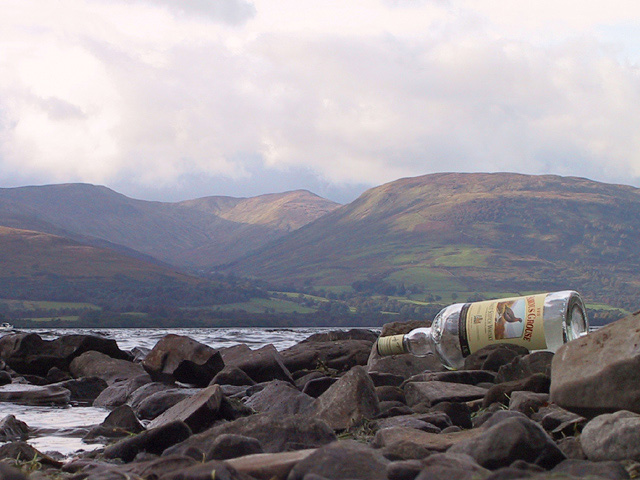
{"x": 265, "y": 305}
{"x": 46, "y": 305}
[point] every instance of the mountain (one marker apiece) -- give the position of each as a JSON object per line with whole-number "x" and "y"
{"x": 456, "y": 232}
{"x": 196, "y": 233}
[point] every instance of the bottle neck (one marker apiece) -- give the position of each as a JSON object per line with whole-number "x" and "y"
{"x": 391, "y": 345}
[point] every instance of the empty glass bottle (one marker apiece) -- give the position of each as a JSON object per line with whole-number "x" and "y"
{"x": 538, "y": 322}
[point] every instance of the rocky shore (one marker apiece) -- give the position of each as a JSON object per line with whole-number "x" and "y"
{"x": 330, "y": 408}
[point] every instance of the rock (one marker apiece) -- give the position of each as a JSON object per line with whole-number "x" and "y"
{"x": 386, "y": 379}
{"x": 276, "y": 433}
{"x": 499, "y": 416}
{"x": 262, "y": 365}
{"x": 600, "y": 372}
{"x": 403, "y": 439}
{"x": 154, "y": 440}
{"x": 559, "y": 421}
{"x": 527, "y": 402}
{"x": 34, "y": 395}
{"x": 5, "y": 378}
{"x": 159, "y": 402}
{"x": 10, "y": 473}
{"x": 392, "y": 409}
{"x": 571, "y": 448}
{"x": 405, "y": 365}
{"x": 439, "y": 419}
{"x": 436, "y": 392}
{"x": 135, "y": 398}
{"x": 342, "y": 459}
{"x": 269, "y": 466}
{"x": 459, "y": 413}
{"x": 228, "y": 446}
{"x": 199, "y": 411}
{"x": 500, "y": 393}
{"x": 404, "y": 469}
{"x": 153, "y": 468}
{"x": 213, "y": 470}
{"x": 338, "y": 335}
{"x": 111, "y": 370}
{"x": 317, "y": 386}
{"x": 492, "y": 357}
{"x": 613, "y": 436}
{"x": 400, "y": 328}
{"x": 231, "y": 375}
{"x": 26, "y": 453}
{"x": 447, "y": 466}
{"x": 120, "y": 422}
{"x": 339, "y": 354}
{"x": 512, "y": 439}
{"x": 582, "y": 468}
{"x": 85, "y": 389}
{"x": 56, "y": 375}
{"x": 469, "y": 377}
{"x": 280, "y": 397}
{"x": 180, "y": 358}
{"x": 12, "y": 429}
{"x": 523, "y": 367}
{"x": 347, "y": 402}
{"x": 387, "y": 393}
{"x": 118, "y": 393}
{"x": 28, "y": 353}
{"x": 407, "y": 421}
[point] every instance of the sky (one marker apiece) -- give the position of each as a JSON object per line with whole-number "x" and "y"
{"x": 171, "y": 100}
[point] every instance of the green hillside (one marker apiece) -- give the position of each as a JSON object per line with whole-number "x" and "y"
{"x": 464, "y": 234}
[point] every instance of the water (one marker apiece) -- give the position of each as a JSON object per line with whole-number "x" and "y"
{"x": 60, "y": 429}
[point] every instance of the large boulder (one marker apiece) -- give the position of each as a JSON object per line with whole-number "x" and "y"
{"x": 600, "y": 372}
{"x": 183, "y": 359}
{"x": 111, "y": 370}
{"x": 261, "y": 365}
{"x": 348, "y": 402}
{"x": 28, "y": 353}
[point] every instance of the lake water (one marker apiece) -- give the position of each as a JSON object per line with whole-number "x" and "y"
{"x": 60, "y": 429}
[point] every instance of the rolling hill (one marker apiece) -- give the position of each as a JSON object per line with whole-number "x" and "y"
{"x": 195, "y": 234}
{"x": 467, "y": 233}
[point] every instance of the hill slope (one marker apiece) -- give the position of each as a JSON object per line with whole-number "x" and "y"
{"x": 471, "y": 233}
{"x": 196, "y": 233}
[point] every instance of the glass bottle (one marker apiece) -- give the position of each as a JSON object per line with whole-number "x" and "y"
{"x": 538, "y": 322}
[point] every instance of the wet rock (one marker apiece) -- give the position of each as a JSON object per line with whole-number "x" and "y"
{"x": 34, "y": 395}
{"x": 342, "y": 459}
{"x": 500, "y": 393}
{"x": 199, "y": 411}
{"x": 316, "y": 351}
{"x": 348, "y": 401}
{"x": 492, "y": 357}
{"x": 159, "y": 402}
{"x": 512, "y": 439}
{"x": 527, "y": 402}
{"x": 154, "y": 440}
{"x": 446, "y": 466}
{"x": 317, "y": 386}
{"x": 613, "y": 436}
{"x": 524, "y": 367}
{"x": 231, "y": 375}
{"x": 118, "y": 393}
{"x": 276, "y": 433}
{"x": 280, "y": 397}
{"x": 269, "y": 466}
{"x": 111, "y": 370}
{"x": 582, "y": 468}
{"x": 121, "y": 422}
{"x": 228, "y": 446}
{"x": 26, "y": 453}
{"x": 600, "y": 372}
{"x": 262, "y": 365}
{"x": 85, "y": 389}
{"x": 180, "y": 358}
{"x": 28, "y": 353}
{"x": 12, "y": 429}
{"x": 435, "y": 392}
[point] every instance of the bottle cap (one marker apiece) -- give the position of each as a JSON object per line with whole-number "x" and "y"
{"x": 392, "y": 345}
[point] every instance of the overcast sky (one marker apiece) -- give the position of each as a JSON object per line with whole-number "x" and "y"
{"x": 168, "y": 99}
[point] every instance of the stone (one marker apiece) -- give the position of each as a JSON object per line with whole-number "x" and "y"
{"x": 118, "y": 393}
{"x": 12, "y": 429}
{"x": 600, "y": 372}
{"x": 525, "y": 366}
{"x": 231, "y": 375}
{"x": 111, "y": 370}
{"x": 135, "y": 398}
{"x": 492, "y": 357}
{"x": 438, "y": 418}
{"x": 276, "y": 433}
{"x": 509, "y": 440}
{"x": 342, "y": 459}
{"x": 407, "y": 421}
{"x": 25, "y": 394}
{"x": 386, "y": 379}
{"x": 85, "y": 389}
{"x": 392, "y": 409}
{"x": 447, "y": 466}
{"x": 527, "y": 402}
{"x": 582, "y": 468}
{"x": 612, "y": 436}
{"x": 405, "y": 365}
{"x": 435, "y": 392}
{"x": 26, "y": 453}
{"x": 458, "y": 412}
{"x": 317, "y": 386}
{"x": 469, "y": 377}
{"x": 229, "y": 445}
{"x": 10, "y": 473}
{"x": 348, "y": 402}
{"x": 120, "y": 422}
{"x": 199, "y": 411}
{"x": 500, "y": 393}
{"x": 5, "y": 378}
{"x": 388, "y": 393}
{"x": 159, "y": 402}
{"x": 403, "y": 438}
{"x": 339, "y": 354}
{"x": 401, "y": 328}
{"x": 212, "y": 470}
{"x": 155, "y": 440}
{"x": 339, "y": 335}
{"x": 183, "y": 359}
{"x": 261, "y": 365}
{"x": 571, "y": 448}
{"x": 403, "y": 469}
{"x": 280, "y": 397}
{"x": 269, "y": 466}
{"x": 56, "y": 375}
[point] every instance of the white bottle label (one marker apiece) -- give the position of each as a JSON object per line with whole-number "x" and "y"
{"x": 517, "y": 320}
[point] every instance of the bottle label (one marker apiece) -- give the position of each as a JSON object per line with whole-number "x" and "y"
{"x": 517, "y": 320}
{"x": 392, "y": 345}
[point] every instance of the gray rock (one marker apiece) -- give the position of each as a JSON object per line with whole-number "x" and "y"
{"x": 571, "y": 448}
{"x": 231, "y": 375}
{"x": 500, "y": 393}
{"x": 118, "y": 393}
{"x": 268, "y": 466}
{"x": 523, "y": 367}
{"x": 317, "y": 386}
{"x": 405, "y": 365}
{"x": 347, "y": 402}
{"x": 121, "y": 422}
{"x": 434, "y": 392}
{"x": 402, "y": 440}
{"x": 407, "y": 421}
{"x": 527, "y": 402}
{"x": 559, "y": 421}
{"x": 343, "y": 459}
{"x": 582, "y": 468}
{"x": 213, "y": 470}
{"x": 10, "y": 473}
{"x": 388, "y": 393}
{"x": 111, "y": 370}
{"x": 154, "y": 440}
{"x": 228, "y": 446}
{"x": 280, "y": 397}
{"x": 85, "y": 389}
{"x": 600, "y": 372}
{"x": 512, "y": 439}
{"x": 404, "y": 469}
{"x": 261, "y": 365}
{"x": 613, "y": 436}
{"x": 469, "y": 377}
{"x": 159, "y": 402}
{"x": 34, "y": 395}
{"x": 447, "y": 466}
{"x": 183, "y": 359}
{"x": 459, "y": 413}
{"x": 135, "y": 398}
{"x": 492, "y": 357}
{"x": 26, "y": 453}
{"x": 340, "y": 354}
{"x": 199, "y": 411}
{"x": 12, "y": 429}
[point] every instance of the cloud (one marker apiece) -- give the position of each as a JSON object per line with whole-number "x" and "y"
{"x": 160, "y": 93}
